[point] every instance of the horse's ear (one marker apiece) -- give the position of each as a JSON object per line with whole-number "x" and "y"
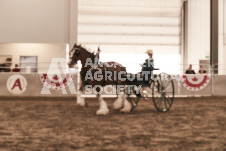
{"x": 98, "y": 50}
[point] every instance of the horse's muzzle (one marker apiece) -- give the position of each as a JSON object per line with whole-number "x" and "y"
{"x": 70, "y": 64}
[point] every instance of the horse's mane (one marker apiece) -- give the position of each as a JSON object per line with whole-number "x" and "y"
{"x": 84, "y": 48}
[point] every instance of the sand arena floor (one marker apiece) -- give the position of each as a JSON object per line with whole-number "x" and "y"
{"x": 59, "y": 124}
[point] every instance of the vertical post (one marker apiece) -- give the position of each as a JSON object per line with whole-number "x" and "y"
{"x": 221, "y": 56}
{"x": 182, "y": 38}
{"x": 73, "y": 32}
{"x": 183, "y": 43}
{"x": 214, "y": 35}
{"x": 73, "y": 22}
{"x": 185, "y": 30}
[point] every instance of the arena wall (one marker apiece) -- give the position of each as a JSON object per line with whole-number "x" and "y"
{"x": 36, "y": 86}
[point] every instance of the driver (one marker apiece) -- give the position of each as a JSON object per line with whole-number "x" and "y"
{"x": 148, "y": 65}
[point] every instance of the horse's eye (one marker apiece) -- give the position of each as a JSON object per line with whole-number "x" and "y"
{"x": 77, "y": 52}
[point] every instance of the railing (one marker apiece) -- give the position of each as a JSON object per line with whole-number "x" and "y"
{"x": 43, "y": 67}
{"x": 182, "y": 67}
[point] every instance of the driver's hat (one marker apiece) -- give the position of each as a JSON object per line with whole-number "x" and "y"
{"x": 149, "y": 51}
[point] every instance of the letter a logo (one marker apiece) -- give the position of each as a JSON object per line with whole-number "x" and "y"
{"x": 17, "y": 84}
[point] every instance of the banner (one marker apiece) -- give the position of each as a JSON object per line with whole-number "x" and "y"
{"x": 193, "y": 82}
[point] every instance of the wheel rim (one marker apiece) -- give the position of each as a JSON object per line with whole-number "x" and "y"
{"x": 163, "y": 93}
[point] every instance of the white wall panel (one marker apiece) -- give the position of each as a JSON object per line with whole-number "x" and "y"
{"x": 160, "y": 49}
{"x": 34, "y": 21}
{"x": 223, "y": 63}
{"x": 129, "y": 30}
{"x": 128, "y": 20}
{"x": 132, "y": 25}
{"x": 198, "y": 30}
{"x": 224, "y": 20}
{"x": 130, "y": 11}
{"x": 222, "y": 37}
{"x": 133, "y": 3}
{"x": 137, "y": 40}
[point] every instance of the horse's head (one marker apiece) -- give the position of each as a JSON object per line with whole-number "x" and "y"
{"x": 78, "y": 53}
{"x": 75, "y": 55}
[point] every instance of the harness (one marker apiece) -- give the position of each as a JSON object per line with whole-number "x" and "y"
{"x": 96, "y": 65}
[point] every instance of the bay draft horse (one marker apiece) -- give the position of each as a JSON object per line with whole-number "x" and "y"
{"x": 80, "y": 53}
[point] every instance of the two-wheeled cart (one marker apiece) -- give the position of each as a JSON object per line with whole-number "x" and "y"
{"x": 161, "y": 91}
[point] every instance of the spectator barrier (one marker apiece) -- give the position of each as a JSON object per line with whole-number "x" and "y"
{"x": 19, "y": 84}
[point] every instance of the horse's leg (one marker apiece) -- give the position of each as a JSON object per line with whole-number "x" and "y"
{"x": 127, "y": 105}
{"x": 80, "y": 100}
{"x": 119, "y": 102}
{"x": 103, "y": 106}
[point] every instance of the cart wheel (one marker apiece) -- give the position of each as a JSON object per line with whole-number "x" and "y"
{"x": 133, "y": 97}
{"x": 163, "y": 92}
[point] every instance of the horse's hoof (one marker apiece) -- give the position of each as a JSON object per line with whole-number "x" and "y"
{"x": 82, "y": 104}
{"x": 102, "y": 112}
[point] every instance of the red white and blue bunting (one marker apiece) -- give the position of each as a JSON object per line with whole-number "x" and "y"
{"x": 195, "y": 82}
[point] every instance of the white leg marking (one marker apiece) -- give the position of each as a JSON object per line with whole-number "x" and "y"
{"x": 118, "y": 103}
{"x": 80, "y": 99}
{"x": 127, "y": 105}
{"x": 103, "y": 107}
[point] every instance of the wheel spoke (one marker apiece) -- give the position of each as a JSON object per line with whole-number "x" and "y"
{"x": 168, "y": 87}
{"x": 169, "y": 100}
{"x": 161, "y": 104}
{"x": 165, "y": 104}
{"x": 160, "y": 79}
{"x": 163, "y": 93}
{"x": 155, "y": 88}
{"x": 158, "y": 102}
{"x": 164, "y": 79}
{"x": 167, "y": 84}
